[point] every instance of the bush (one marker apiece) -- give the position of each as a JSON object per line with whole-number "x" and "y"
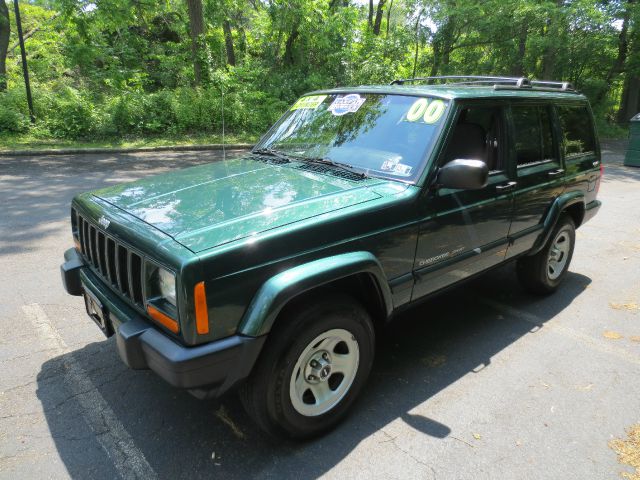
{"x": 65, "y": 112}
{"x": 14, "y": 116}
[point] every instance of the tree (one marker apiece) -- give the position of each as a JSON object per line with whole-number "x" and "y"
{"x": 378, "y": 22}
{"x": 617, "y": 66}
{"x": 228, "y": 42}
{"x": 630, "y": 97}
{"x": 198, "y": 44}
{"x": 5, "y": 30}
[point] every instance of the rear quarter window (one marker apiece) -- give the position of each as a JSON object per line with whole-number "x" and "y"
{"x": 577, "y": 130}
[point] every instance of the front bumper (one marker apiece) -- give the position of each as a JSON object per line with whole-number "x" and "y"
{"x": 207, "y": 370}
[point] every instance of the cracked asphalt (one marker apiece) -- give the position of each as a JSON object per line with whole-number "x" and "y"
{"x": 485, "y": 382}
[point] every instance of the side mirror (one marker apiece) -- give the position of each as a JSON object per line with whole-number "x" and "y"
{"x": 464, "y": 174}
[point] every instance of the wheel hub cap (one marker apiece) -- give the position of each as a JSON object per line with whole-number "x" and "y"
{"x": 558, "y": 254}
{"x": 318, "y": 368}
{"x": 324, "y": 372}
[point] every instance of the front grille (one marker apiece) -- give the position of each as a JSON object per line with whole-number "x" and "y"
{"x": 116, "y": 264}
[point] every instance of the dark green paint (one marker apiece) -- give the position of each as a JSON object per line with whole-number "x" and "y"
{"x": 259, "y": 234}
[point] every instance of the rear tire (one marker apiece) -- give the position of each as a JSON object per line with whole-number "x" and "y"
{"x": 312, "y": 368}
{"x": 543, "y": 272}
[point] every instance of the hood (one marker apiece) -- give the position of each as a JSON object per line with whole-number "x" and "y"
{"x": 213, "y": 204}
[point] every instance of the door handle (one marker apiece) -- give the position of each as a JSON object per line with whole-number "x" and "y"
{"x": 506, "y": 187}
{"x": 556, "y": 173}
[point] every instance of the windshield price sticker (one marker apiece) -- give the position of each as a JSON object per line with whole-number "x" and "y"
{"x": 311, "y": 102}
{"x": 402, "y": 169}
{"x": 426, "y": 111}
{"x": 346, "y": 104}
{"x": 394, "y": 166}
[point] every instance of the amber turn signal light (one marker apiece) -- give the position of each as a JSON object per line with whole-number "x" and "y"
{"x": 202, "y": 314}
{"x": 163, "y": 319}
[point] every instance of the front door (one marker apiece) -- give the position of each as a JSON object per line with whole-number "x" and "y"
{"x": 465, "y": 231}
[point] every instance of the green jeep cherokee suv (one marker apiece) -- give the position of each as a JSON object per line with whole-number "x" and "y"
{"x": 272, "y": 272}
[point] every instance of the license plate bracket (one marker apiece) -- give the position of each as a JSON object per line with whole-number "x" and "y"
{"x": 98, "y": 313}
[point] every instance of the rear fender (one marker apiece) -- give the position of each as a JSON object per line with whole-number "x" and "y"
{"x": 560, "y": 204}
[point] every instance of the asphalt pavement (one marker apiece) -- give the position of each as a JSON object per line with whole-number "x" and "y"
{"x": 485, "y": 382}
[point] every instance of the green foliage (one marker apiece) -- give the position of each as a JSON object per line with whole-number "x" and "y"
{"x": 118, "y": 68}
{"x": 14, "y": 116}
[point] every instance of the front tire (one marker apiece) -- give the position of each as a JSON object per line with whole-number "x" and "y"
{"x": 543, "y": 272}
{"x": 314, "y": 365}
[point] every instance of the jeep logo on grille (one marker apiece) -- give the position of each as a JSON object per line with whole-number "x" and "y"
{"x": 104, "y": 221}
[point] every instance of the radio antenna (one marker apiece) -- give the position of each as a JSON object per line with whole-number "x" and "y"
{"x": 224, "y": 150}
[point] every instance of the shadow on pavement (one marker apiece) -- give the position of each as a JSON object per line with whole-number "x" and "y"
{"x": 423, "y": 352}
{"x": 35, "y": 192}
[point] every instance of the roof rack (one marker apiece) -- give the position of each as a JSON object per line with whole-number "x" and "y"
{"x": 498, "y": 83}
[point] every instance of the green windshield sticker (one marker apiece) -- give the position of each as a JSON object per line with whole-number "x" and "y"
{"x": 434, "y": 111}
{"x": 312, "y": 102}
{"x": 423, "y": 110}
{"x": 417, "y": 110}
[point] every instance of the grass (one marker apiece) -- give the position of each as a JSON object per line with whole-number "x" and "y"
{"x": 29, "y": 141}
{"x": 10, "y": 143}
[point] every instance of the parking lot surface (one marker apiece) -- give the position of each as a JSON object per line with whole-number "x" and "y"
{"x": 484, "y": 382}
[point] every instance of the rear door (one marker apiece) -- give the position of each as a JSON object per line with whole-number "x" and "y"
{"x": 539, "y": 171}
{"x": 465, "y": 231}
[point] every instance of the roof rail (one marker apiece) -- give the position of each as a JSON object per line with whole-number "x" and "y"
{"x": 498, "y": 83}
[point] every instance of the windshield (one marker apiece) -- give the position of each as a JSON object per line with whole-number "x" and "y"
{"x": 380, "y": 135}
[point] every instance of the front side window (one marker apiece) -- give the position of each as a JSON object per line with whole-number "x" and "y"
{"x": 577, "y": 131}
{"x": 382, "y": 135}
{"x": 533, "y": 134}
{"x": 478, "y": 136}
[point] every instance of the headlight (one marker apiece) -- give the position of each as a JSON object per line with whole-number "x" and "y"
{"x": 166, "y": 285}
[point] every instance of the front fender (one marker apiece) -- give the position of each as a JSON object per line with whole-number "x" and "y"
{"x": 276, "y": 292}
{"x": 559, "y": 205}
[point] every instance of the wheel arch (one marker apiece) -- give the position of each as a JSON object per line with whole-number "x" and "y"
{"x": 357, "y": 273}
{"x": 571, "y": 203}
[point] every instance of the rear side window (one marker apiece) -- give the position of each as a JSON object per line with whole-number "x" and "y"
{"x": 533, "y": 134}
{"x": 577, "y": 131}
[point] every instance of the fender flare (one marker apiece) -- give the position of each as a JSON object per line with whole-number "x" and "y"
{"x": 280, "y": 289}
{"x": 553, "y": 215}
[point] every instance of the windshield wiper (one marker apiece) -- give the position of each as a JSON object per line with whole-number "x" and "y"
{"x": 333, "y": 163}
{"x": 273, "y": 153}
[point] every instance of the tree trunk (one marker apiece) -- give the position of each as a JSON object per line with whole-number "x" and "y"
{"x": 621, "y": 58}
{"x": 518, "y": 66}
{"x": 370, "y": 18}
{"x": 379, "y": 13}
{"x": 389, "y": 16}
{"x": 435, "y": 66}
{"x": 289, "y": 58}
{"x": 548, "y": 58}
{"x": 415, "y": 57}
{"x": 442, "y": 46}
{"x": 228, "y": 43}
{"x": 549, "y": 55}
{"x": 196, "y": 29}
{"x": 630, "y": 101}
{"x": 5, "y": 30}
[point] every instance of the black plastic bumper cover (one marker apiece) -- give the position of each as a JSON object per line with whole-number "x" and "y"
{"x": 210, "y": 369}
{"x": 216, "y": 366}
{"x": 70, "y": 271}
{"x": 590, "y": 210}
